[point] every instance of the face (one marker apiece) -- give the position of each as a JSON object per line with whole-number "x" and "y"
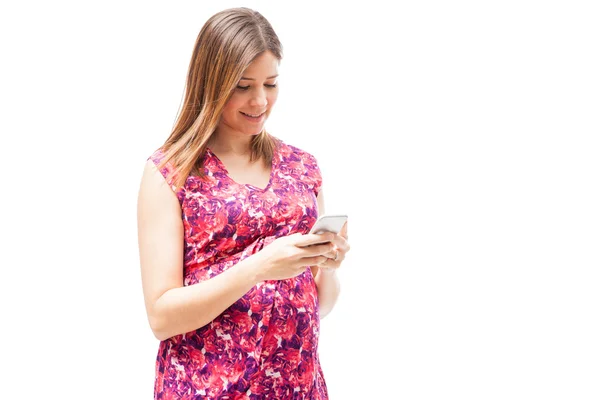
{"x": 252, "y": 100}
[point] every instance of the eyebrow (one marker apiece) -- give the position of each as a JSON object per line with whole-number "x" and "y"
{"x": 252, "y": 79}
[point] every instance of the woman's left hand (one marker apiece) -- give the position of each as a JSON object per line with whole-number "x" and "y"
{"x": 338, "y": 253}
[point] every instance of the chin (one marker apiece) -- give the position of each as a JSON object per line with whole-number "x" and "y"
{"x": 257, "y": 132}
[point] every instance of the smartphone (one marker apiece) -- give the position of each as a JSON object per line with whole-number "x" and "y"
{"x": 329, "y": 223}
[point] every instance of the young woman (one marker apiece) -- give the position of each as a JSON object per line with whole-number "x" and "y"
{"x": 234, "y": 284}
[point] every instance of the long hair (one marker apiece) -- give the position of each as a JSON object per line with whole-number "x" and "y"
{"x": 226, "y": 45}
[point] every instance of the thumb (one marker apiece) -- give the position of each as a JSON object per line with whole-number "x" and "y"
{"x": 344, "y": 231}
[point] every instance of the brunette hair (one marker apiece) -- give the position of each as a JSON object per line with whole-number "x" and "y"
{"x": 226, "y": 45}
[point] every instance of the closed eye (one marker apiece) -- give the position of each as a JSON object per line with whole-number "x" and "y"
{"x": 248, "y": 87}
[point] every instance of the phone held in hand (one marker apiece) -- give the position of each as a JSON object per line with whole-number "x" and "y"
{"x": 329, "y": 223}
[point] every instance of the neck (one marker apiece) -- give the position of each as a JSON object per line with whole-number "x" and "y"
{"x": 236, "y": 144}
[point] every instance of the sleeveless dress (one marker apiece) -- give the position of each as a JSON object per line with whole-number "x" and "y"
{"x": 264, "y": 346}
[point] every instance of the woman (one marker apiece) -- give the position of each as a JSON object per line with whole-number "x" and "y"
{"x": 234, "y": 285}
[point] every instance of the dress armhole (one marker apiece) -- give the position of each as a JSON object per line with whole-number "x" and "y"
{"x": 168, "y": 173}
{"x": 317, "y": 178}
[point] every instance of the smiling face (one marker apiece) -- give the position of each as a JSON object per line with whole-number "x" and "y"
{"x": 250, "y": 104}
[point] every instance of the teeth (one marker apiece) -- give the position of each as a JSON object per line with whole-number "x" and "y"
{"x": 254, "y": 116}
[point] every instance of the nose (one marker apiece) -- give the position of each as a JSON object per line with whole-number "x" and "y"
{"x": 259, "y": 98}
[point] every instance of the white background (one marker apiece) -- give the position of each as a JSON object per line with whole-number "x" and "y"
{"x": 460, "y": 137}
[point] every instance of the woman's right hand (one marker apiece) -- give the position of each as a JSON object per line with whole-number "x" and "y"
{"x": 288, "y": 256}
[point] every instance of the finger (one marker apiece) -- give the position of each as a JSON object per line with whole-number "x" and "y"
{"x": 339, "y": 253}
{"x": 330, "y": 265}
{"x": 341, "y": 243}
{"x": 315, "y": 260}
{"x": 344, "y": 231}
{"x": 333, "y": 254}
{"x": 317, "y": 250}
{"x": 314, "y": 238}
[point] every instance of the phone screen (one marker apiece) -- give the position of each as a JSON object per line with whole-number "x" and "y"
{"x": 329, "y": 223}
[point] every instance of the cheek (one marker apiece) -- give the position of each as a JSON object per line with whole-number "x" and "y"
{"x": 232, "y": 106}
{"x": 272, "y": 98}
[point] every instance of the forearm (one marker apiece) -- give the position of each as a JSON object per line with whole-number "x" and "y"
{"x": 328, "y": 288}
{"x": 185, "y": 309}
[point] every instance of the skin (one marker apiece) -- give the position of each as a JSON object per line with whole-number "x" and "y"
{"x": 174, "y": 309}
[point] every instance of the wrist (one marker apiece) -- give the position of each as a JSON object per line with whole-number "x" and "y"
{"x": 255, "y": 265}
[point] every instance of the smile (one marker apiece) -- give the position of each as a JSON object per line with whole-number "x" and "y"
{"x": 253, "y": 116}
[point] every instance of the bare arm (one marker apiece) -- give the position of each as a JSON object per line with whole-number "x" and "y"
{"x": 171, "y": 307}
{"x": 174, "y": 309}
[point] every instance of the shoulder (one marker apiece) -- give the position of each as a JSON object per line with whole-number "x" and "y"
{"x": 294, "y": 153}
{"x": 157, "y": 156}
{"x": 167, "y": 168}
{"x": 301, "y": 164}
{"x": 161, "y": 171}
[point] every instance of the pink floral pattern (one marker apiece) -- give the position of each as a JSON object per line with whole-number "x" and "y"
{"x": 265, "y": 345}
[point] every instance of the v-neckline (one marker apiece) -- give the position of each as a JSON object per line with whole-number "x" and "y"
{"x": 222, "y": 166}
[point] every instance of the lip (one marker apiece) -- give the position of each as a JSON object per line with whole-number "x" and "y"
{"x": 258, "y": 119}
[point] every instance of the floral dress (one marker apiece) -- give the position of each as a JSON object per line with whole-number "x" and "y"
{"x": 264, "y": 346}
